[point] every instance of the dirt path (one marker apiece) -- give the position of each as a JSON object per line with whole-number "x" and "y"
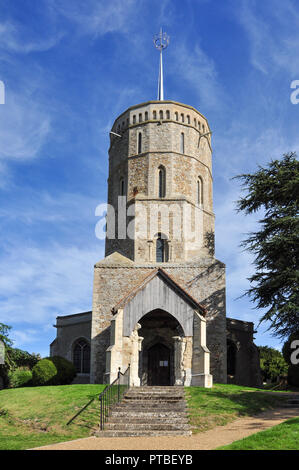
{"x": 219, "y": 436}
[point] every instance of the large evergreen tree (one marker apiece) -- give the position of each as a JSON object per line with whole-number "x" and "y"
{"x": 274, "y": 286}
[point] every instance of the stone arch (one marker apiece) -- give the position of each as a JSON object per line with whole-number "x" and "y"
{"x": 81, "y": 355}
{"x": 158, "y": 330}
{"x": 231, "y": 357}
{"x": 161, "y": 181}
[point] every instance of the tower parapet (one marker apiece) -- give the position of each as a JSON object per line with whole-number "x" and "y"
{"x": 160, "y": 172}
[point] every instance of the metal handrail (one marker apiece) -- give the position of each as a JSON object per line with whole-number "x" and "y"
{"x": 113, "y": 394}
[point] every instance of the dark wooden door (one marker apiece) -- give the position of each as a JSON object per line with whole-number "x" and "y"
{"x": 158, "y": 365}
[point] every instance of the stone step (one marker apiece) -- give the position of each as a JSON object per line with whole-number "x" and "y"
{"x": 149, "y": 411}
{"x": 149, "y": 419}
{"x": 141, "y": 433}
{"x": 146, "y": 426}
{"x": 148, "y": 415}
{"x": 140, "y": 409}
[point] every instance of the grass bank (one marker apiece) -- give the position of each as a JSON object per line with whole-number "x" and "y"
{"x": 223, "y": 403}
{"x": 36, "y": 416}
{"x": 284, "y": 436}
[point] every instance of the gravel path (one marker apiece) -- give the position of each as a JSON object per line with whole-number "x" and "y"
{"x": 208, "y": 440}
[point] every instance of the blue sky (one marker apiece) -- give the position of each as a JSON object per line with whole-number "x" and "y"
{"x": 69, "y": 68}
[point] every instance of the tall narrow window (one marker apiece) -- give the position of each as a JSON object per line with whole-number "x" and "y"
{"x": 182, "y": 117}
{"x": 146, "y": 115}
{"x": 139, "y": 142}
{"x": 176, "y": 116}
{"x": 188, "y": 119}
{"x": 161, "y": 114}
{"x": 162, "y": 181}
{"x": 140, "y": 117}
{"x": 122, "y": 187}
{"x": 154, "y": 114}
{"x": 167, "y": 114}
{"x": 161, "y": 249}
{"x": 182, "y": 144}
{"x": 199, "y": 191}
{"x": 134, "y": 119}
{"x": 81, "y": 356}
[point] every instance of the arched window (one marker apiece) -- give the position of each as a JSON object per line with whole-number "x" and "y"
{"x": 167, "y": 114}
{"x": 122, "y": 187}
{"x": 199, "y": 191}
{"x": 81, "y": 356}
{"x": 146, "y": 116}
{"x": 231, "y": 357}
{"x": 134, "y": 119}
{"x": 182, "y": 143}
{"x": 188, "y": 119}
{"x": 154, "y": 114}
{"x": 161, "y": 114}
{"x": 176, "y": 116}
{"x": 182, "y": 117}
{"x": 162, "y": 181}
{"x": 139, "y": 143}
{"x": 140, "y": 117}
{"x": 161, "y": 248}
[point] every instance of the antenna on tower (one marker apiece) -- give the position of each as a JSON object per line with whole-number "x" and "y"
{"x": 161, "y": 41}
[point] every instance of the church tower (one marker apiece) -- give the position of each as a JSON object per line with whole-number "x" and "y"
{"x": 160, "y": 173}
{"x": 159, "y": 293}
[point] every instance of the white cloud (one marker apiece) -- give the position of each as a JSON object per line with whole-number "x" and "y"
{"x": 194, "y": 67}
{"x": 24, "y": 126}
{"x": 274, "y": 41}
{"x": 98, "y": 17}
{"x": 39, "y": 283}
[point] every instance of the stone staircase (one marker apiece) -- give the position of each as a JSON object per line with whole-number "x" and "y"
{"x": 149, "y": 411}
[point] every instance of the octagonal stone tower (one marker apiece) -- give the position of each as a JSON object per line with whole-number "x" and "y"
{"x": 160, "y": 222}
{"x": 160, "y": 171}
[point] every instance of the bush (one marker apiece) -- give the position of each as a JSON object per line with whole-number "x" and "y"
{"x": 43, "y": 372}
{"x": 66, "y": 371}
{"x": 293, "y": 375}
{"x": 20, "y": 377}
{"x": 53, "y": 371}
{"x": 19, "y": 358}
{"x": 272, "y": 364}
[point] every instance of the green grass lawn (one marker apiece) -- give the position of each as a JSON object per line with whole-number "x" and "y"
{"x": 284, "y": 436}
{"x": 224, "y": 403}
{"x": 35, "y": 416}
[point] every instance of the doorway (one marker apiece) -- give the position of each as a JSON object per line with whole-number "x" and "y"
{"x": 159, "y": 365}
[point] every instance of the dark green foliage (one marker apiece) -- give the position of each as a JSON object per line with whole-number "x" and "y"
{"x": 272, "y": 364}
{"x": 21, "y": 358}
{"x": 43, "y": 372}
{"x": 274, "y": 286}
{"x": 66, "y": 371}
{"x": 53, "y": 371}
{"x": 4, "y": 330}
{"x": 293, "y": 375}
{"x": 20, "y": 377}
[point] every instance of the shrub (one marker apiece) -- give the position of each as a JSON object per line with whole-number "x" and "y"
{"x": 20, "y": 377}
{"x": 272, "y": 364}
{"x": 43, "y": 372}
{"x": 20, "y": 358}
{"x": 66, "y": 371}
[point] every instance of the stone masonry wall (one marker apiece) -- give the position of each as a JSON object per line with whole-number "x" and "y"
{"x": 205, "y": 281}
